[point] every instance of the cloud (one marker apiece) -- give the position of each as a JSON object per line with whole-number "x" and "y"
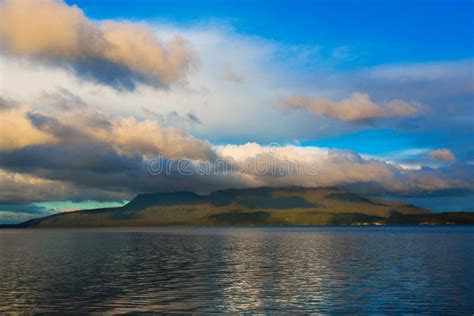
{"x": 443, "y": 90}
{"x": 13, "y": 217}
{"x": 358, "y": 108}
{"x": 24, "y": 188}
{"x": 16, "y": 213}
{"x": 17, "y": 130}
{"x": 118, "y": 54}
{"x": 88, "y": 154}
{"x": 231, "y": 76}
{"x": 226, "y": 109}
{"x": 61, "y": 173}
{"x": 27, "y": 186}
{"x": 133, "y": 137}
{"x": 442, "y": 154}
{"x": 429, "y": 71}
{"x": 63, "y": 99}
{"x": 446, "y": 90}
{"x": 23, "y": 208}
{"x": 7, "y": 104}
{"x": 173, "y": 118}
{"x": 322, "y": 167}
{"x": 110, "y": 161}
{"x": 128, "y": 136}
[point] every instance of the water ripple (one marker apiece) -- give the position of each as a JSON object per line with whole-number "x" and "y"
{"x": 339, "y": 270}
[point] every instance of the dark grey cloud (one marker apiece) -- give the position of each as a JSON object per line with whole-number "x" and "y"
{"x": 108, "y": 73}
{"x": 96, "y": 158}
{"x": 24, "y": 208}
{"x": 193, "y": 118}
{"x": 6, "y": 104}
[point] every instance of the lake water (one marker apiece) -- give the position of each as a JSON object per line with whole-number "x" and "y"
{"x": 329, "y": 269}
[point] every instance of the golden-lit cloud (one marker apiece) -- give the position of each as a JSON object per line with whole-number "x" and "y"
{"x": 31, "y": 187}
{"x": 17, "y": 131}
{"x": 101, "y": 149}
{"x": 21, "y": 127}
{"x": 135, "y": 138}
{"x": 356, "y": 108}
{"x": 24, "y": 188}
{"x": 442, "y": 154}
{"x": 119, "y": 54}
{"x": 93, "y": 155}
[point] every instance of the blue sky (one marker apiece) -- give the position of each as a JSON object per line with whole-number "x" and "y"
{"x": 388, "y": 31}
{"x": 93, "y": 90}
{"x": 364, "y": 34}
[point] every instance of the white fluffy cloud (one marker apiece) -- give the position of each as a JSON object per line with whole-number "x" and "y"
{"x": 322, "y": 167}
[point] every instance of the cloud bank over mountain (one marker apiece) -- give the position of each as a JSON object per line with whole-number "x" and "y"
{"x": 88, "y": 103}
{"x": 108, "y": 156}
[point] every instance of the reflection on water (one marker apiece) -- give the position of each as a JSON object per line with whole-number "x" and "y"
{"x": 365, "y": 270}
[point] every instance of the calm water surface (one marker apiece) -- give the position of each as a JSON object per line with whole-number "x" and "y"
{"x": 350, "y": 270}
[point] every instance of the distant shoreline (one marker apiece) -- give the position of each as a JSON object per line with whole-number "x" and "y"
{"x": 450, "y": 219}
{"x": 257, "y": 207}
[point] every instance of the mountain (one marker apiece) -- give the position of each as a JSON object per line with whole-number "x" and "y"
{"x": 251, "y": 207}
